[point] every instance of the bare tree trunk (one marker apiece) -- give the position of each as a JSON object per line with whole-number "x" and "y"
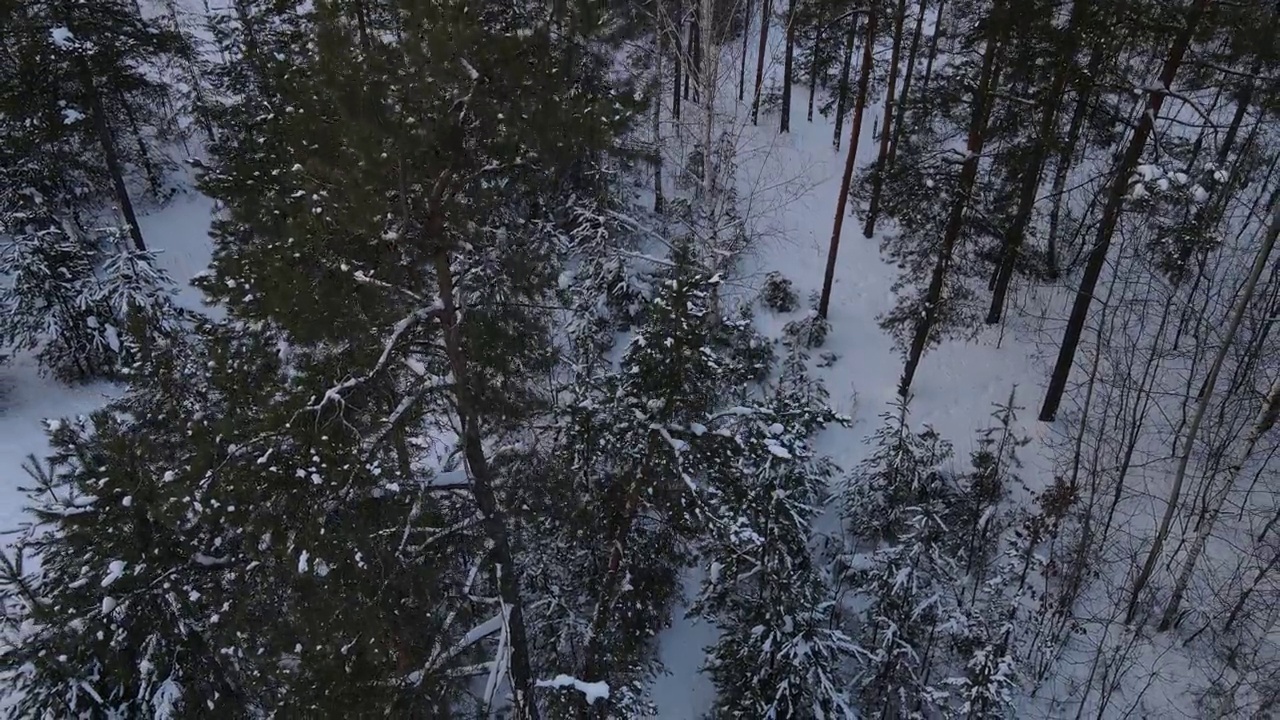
{"x": 882, "y": 160}
{"x": 708, "y": 68}
{"x": 842, "y": 203}
{"x": 1248, "y": 592}
{"x": 1264, "y": 422}
{"x": 1198, "y": 146}
{"x": 933, "y": 48}
{"x": 1067, "y": 155}
{"x": 106, "y": 142}
{"x": 813, "y": 72}
{"x": 1035, "y": 164}
{"x": 959, "y": 204}
{"x": 788, "y": 67}
{"x": 202, "y": 105}
{"x": 659, "y": 201}
{"x": 144, "y": 155}
{"x": 1111, "y": 214}
{"x": 677, "y": 25}
{"x": 362, "y": 24}
{"x": 766, "y": 9}
{"x": 746, "y": 33}
{"x": 695, "y": 66}
{"x": 843, "y": 92}
{"x": 905, "y": 96}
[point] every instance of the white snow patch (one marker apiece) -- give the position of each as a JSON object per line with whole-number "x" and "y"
{"x": 61, "y": 37}
{"x": 592, "y": 690}
{"x": 114, "y": 570}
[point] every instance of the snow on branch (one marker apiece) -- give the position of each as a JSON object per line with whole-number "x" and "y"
{"x": 403, "y": 326}
{"x": 592, "y": 690}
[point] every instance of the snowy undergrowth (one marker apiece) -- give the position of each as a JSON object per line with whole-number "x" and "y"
{"x": 955, "y": 390}
{"x": 179, "y": 232}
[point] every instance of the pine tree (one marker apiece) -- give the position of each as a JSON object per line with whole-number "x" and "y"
{"x": 901, "y": 472}
{"x": 138, "y": 297}
{"x": 112, "y": 617}
{"x": 1111, "y": 210}
{"x": 989, "y": 637}
{"x": 396, "y": 183}
{"x": 633, "y": 448}
{"x": 982, "y": 503}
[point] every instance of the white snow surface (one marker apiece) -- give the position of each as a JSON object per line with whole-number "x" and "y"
{"x": 61, "y": 37}
{"x": 593, "y": 691}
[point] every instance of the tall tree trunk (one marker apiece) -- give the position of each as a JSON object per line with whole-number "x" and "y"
{"x": 1035, "y": 163}
{"x": 678, "y": 30}
{"x": 1111, "y": 214}
{"x": 362, "y": 24}
{"x": 107, "y": 143}
{"x": 1066, "y": 156}
{"x": 494, "y": 517}
{"x": 144, "y": 155}
{"x": 1248, "y": 592}
{"x": 1266, "y": 417}
{"x": 746, "y": 34}
{"x": 1196, "y": 148}
{"x": 708, "y": 78}
{"x": 699, "y": 60}
{"x": 1243, "y": 99}
{"x": 933, "y": 48}
{"x": 659, "y": 201}
{"x": 193, "y": 79}
{"x": 843, "y": 93}
{"x": 813, "y": 73}
{"x": 788, "y": 67}
{"x": 1209, "y": 214}
{"x": 842, "y": 203}
{"x": 766, "y": 9}
{"x": 882, "y": 160}
{"x": 960, "y": 203}
{"x": 905, "y": 96}
{"x": 691, "y": 73}
{"x": 621, "y": 523}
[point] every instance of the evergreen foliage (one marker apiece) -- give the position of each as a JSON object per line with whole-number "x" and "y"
{"x": 467, "y": 419}
{"x": 76, "y": 97}
{"x": 778, "y": 293}
{"x": 777, "y": 656}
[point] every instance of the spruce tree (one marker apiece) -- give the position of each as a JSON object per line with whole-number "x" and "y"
{"x": 52, "y": 304}
{"x": 112, "y": 615}
{"x": 904, "y": 564}
{"x": 778, "y": 655}
{"x": 634, "y": 450}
